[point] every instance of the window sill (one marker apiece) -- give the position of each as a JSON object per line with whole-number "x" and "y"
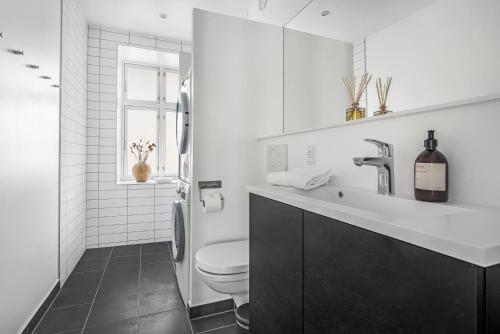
{"x": 160, "y": 180}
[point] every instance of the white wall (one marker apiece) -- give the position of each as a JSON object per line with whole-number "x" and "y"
{"x": 447, "y": 51}
{"x": 29, "y": 168}
{"x": 314, "y": 67}
{"x": 237, "y": 86}
{"x": 118, "y": 214}
{"x": 468, "y": 141}
{"x": 73, "y": 137}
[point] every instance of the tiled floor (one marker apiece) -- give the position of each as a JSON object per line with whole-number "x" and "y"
{"x": 127, "y": 289}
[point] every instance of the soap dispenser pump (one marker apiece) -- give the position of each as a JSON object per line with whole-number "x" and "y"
{"x": 431, "y": 173}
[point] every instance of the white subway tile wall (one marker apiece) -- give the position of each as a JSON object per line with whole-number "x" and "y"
{"x": 118, "y": 214}
{"x": 359, "y": 64}
{"x": 73, "y": 137}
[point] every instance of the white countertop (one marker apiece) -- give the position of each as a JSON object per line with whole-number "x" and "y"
{"x": 468, "y": 233}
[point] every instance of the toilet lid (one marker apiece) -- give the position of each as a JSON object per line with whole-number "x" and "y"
{"x": 224, "y": 258}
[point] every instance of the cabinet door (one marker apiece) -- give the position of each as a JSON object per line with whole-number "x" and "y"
{"x": 357, "y": 281}
{"x": 276, "y": 267}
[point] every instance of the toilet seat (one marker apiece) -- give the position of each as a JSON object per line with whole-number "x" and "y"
{"x": 226, "y": 258}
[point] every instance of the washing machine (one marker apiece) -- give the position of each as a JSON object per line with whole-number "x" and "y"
{"x": 181, "y": 208}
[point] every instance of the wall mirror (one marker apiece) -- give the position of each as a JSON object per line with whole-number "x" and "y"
{"x": 436, "y": 51}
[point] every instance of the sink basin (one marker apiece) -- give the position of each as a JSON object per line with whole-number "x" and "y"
{"x": 383, "y": 205}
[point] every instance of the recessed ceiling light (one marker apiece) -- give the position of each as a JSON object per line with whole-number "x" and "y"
{"x": 325, "y": 13}
{"x": 163, "y": 15}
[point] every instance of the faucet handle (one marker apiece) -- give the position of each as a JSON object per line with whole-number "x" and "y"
{"x": 384, "y": 149}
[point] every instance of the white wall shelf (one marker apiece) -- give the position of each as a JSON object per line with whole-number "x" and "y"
{"x": 409, "y": 112}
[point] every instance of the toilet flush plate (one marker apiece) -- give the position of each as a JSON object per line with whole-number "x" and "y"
{"x": 277, "y": 158}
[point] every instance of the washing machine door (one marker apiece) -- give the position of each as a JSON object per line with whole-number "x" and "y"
{"x": 178, "y": 237}
{"x": 182, "y": 117}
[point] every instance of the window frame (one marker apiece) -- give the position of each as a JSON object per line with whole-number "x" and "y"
{"x": 161, "y": 106}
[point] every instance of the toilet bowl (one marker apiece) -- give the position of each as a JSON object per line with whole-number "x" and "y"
{"x": 224, "y": 267}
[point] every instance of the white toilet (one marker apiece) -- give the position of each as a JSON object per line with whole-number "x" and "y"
{"x": 224, "y": 267}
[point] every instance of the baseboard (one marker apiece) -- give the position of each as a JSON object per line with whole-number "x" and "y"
{"x": 211, "y": 308}
{"x": 42, "y": 309}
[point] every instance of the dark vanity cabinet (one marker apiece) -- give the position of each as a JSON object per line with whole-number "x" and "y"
{"x": 357, "y": 281}
{"x": 312, "y": 274}
{"x": 276, "y": 262}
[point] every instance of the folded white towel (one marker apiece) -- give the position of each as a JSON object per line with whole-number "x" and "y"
{"x": 301, "y": 178}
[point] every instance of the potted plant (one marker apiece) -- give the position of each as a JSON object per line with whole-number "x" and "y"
{"x": 141, "y": 151}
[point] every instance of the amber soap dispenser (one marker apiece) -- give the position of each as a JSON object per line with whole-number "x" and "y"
{"x": 431, "y": 173}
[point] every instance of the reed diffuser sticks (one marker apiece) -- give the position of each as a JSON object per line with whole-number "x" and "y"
{"x": 382, "y": 93}
{"x": 356, "y": 112}
{"x": 356, "y": 94}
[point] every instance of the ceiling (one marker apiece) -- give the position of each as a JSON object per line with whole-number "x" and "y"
{"x": 353, "y": 20}
{"x": 349, "y": 20}
{"x": 142, "y": 16}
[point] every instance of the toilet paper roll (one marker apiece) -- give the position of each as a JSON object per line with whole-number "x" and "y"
{"x": 212, "y": 203}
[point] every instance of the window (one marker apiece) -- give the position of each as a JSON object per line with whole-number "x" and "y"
{"x": 149, "y": 100}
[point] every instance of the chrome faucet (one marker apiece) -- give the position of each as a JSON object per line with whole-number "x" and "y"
{"x": 385, "y": 166}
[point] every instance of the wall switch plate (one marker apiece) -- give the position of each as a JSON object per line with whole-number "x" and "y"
{"x": 277, "y": 158}
{"x": 311, "y": 154}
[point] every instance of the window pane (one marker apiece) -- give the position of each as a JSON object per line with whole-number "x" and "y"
{"x": 171, "y": 154}
{"x": 172, "y": 87}
{"x": 141, "y": 124}
{"x": 142, "y": 84}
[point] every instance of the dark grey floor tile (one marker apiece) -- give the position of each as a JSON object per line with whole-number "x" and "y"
{"x": 233, "y": 329}
{"x": 113, "y": 310}
{"x": 174, "y": 321}
{"x": 91, "y": 265}
{"x": 96, "y": 253}
{"x": 158, "y": 276}
{"x": 128, "y": 326}
{"x": 132, "y": 261}
{"x": 215, "y": 321}
{"x": 116, "y": 287}
{"x": 63, "y": 319}
{"x": 160, "y": 301}
{"x": 75, "y": 295}
{"x": 126, "y": 250}
{"x": 83, "y": 279}
{"x": 150, "y": 258}
{"x": 155, "y": 247}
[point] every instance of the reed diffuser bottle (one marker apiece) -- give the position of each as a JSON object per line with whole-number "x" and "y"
{"x": 382, "y": 93}
{"x": 431, "y": 173}
{"x": 356, "y": 112}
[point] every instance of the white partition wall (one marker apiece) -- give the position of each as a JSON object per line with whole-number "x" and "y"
{"x": 29, "y": 168}
{"x": 237, "y": 95}
{"x": 73, "y": 137}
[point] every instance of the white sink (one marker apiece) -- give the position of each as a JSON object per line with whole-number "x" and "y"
{"x": 466, "y": 232}
{"x": 380, "y": 204}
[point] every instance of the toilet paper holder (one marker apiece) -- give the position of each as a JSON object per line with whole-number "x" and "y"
{"x": 203, "y": 185}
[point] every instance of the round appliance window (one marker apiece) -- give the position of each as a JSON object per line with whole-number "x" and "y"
{"x": 182, "y": 129}
{"x": 178, "y": 238}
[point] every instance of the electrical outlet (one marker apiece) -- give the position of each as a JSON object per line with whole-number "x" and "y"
{"x": 277, "y": 158}
{"x": 311, "y": 154}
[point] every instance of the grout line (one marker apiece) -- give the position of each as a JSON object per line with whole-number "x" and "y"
{"x": 97, "y": 291}
{"x": 68, "y": 306}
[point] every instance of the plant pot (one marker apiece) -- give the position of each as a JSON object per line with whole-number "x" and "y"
{"x": 141, "y": 172}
